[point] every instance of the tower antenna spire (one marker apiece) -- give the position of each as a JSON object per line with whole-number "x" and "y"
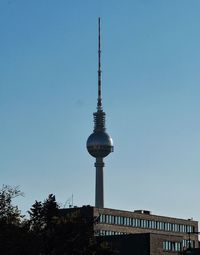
{"x": 99, "y": 102}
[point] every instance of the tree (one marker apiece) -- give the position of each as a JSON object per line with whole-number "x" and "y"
{"x": 9, "y": 213}
{"x": 46, "y": 232}
{"x": 36, "y": 217}
{"x": 50, "y": 210}
{"x": 43, "y": 214}
{"x": 55, "y": 234}
{"x": 13, "y": 233}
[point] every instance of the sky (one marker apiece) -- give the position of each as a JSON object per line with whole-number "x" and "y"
{"x": 151, "y": 89}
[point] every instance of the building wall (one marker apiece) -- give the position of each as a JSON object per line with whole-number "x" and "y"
{"x": 138, "y": 244}
{"x": 167, "y": 243}
{"x": 191, "y": 252}
{"x": 109, "y": 223}
{"x": 142, "y": 244}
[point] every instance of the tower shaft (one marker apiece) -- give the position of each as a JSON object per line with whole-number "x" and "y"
{"x": 99, "y": 192}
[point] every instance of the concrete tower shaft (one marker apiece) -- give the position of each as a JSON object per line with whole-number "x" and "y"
{"x": 99, "y": 187}
{"x": 99, "y": 143}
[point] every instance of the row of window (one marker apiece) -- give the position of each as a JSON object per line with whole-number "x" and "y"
{"x": 175, "y": 246}
{"x": 171, "y": 246}
{"x": 188, "y": 243}
{"x": 109, "y": 233}
{"x": 141, "y": 223}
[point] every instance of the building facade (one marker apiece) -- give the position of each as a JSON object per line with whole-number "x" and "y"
{"x": 172, "y": 234}
{"x": 144, "y": 244}
{"x": 191, "y": 251}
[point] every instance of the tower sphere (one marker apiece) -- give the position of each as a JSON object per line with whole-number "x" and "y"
{"x": 99, "y": 144}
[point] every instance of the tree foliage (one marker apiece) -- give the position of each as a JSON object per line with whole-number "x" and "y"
{"x": 45, "y": 232}
{"x": 12, "y": 234}
{"x": 9, "y": 213}
{"x": 42, "y": 215}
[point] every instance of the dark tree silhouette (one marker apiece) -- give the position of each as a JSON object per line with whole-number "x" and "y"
{"x": 13, "y": 229}
{"x": 59, "y": 234}
{"x": 47, "y": 231}
{"x": 9, "y": 214}
{"x": 36, "y": 217}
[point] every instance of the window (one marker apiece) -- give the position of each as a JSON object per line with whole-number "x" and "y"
{"x": 189, "y": 229}
{"x": 127, "y": 222}
{"x": 187, "y": 243}
{"x": 124, "y": 220}
{"x": 137, "y": 223}
{"x": 171, "y": 246}
{"x": 101, "y": 218}
{"x": 145, "y": 224}
{"x": 160, "y": 225}
{"x": 113, "y": 219}
{"x": 133, "y": 222}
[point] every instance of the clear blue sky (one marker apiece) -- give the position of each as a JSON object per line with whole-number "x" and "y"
{"x": 151, "y": 90}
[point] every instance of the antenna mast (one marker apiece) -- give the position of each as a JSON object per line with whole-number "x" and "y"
{"x": 99, "y": 104}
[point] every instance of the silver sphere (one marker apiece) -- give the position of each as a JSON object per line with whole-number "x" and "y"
{"x": 99, "y": 144}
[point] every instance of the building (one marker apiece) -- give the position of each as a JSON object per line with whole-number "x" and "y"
{"x": 99, "y": 143}
{"x": 162, "y": 233}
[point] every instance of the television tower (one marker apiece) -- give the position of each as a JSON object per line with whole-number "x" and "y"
{"x": 99, "y": 143}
